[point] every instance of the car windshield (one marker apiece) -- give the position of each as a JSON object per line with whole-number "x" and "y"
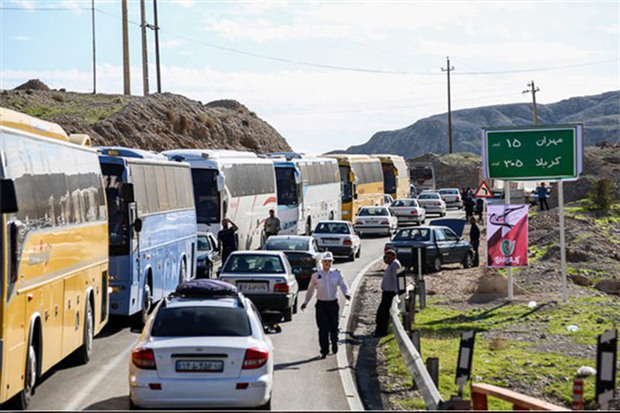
{"x": 373, "y": 212}
{"x": 257, "y": 264}
{"x": 448, "y": 191}
{"x": 332, "y": 228}
{"x": 287, "y": 244}
{"x": 428, "y": 196}
{"x": 413, "y": 234}
{"x": 405, "y": 203}
{"x": 203, "y": 243}
{"x": 201, "y": 322}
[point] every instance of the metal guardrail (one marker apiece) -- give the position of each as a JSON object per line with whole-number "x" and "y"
{"x": 480, "y": 391}
{"x": 414, "y": 362}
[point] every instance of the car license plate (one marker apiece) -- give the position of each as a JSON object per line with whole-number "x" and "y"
{"x": 246, "y": 287}
{"x": 406, "y": 250}
{"x": 205, "y": 366}
{"x": 331, "y": 241}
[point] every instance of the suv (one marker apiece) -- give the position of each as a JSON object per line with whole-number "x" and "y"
{"x": 198, "y": 347}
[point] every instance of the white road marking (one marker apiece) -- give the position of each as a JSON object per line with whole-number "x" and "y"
{"x": 75, "y": 403}
{"x": 346, "y": 370}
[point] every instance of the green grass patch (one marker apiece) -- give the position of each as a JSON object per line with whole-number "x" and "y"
{"x": 537, "y": 252}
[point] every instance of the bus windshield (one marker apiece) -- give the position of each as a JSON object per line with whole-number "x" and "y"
{"x": 421, "y": 174}
{"x": 206, "y": 196}
{"x": 118, "y": 214}
{"x": 287, "y": 188}
{"x": 347, "y": 187}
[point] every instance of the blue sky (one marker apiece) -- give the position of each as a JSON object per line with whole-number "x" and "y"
{"x": 325, "y": 74}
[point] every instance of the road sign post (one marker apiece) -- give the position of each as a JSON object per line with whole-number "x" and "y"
{"x": 540, "y": 153}
{"x": 606, "y": 355}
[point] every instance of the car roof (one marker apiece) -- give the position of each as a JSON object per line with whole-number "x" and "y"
{"x": 333, "y": 222}
{"x": 373, "y": 206}
{"x": 405, "y": 199}
{"x": 258, "y": 252}
{"x": 293, "y": 237}
{"x": 222, "y": 302}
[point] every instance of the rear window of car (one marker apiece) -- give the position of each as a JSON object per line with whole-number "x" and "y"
{"x": 448, "y": 191}
{"x": 373, "y": 212}
{"x": 428, "y": 196}
{"x": 405, "y": 203}
{"x": 413, "y": 234}
{"x": 201, "y": 322}
{"x": 332, "y": 228}
{"x": 249, "y": 263}
{"x": 274, "y": 244}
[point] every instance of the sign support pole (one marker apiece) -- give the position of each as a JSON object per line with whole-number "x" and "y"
{"x": 562, "y": 239}
{"x": 507, "y": 201}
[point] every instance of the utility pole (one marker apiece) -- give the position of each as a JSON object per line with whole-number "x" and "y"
{"x": 533, "y": 91}
{"x": 92, "y": 7}
{"x": 126, "y": 80}
{"x": 449, "y": 106}
{"x": 145, "y": 63}
{"x": 156, "y": 29}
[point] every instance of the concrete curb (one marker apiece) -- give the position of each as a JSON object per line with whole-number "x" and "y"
{"x": 347, "y": 372}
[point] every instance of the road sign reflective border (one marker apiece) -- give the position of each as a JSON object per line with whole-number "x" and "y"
{"x": 483, "y": 191}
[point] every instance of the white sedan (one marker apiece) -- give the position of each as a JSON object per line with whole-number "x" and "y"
{"x": 432, "y": 203}
{"x": 202, "y": 352}
{"x": 375, "y": 220}
{"x": 408, "y": 211}
{"x": 339, "y": 237}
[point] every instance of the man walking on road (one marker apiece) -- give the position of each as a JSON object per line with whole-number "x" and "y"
{"x": 389, "y": 289}
{"x": 474, "y": 239}
{"x": 227, "y": 238}
{"x": 326, "y": 283}
{"x": 541, "y": 191}
{"x": 272, "y": 224}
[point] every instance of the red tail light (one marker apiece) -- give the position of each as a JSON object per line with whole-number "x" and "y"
{"x": 414, "y": 212}
{"x": 385, "y": 222}
{"x": 143, "y": 358}
{"x": 348, "y": 242}
{"x": 255, "y": 358}
{"x": 281, "y": 288}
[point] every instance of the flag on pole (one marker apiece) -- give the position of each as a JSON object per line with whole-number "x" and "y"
{"x": 507, "y": 235}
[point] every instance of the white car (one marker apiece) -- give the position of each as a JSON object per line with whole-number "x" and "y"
{"x": 387, "y": 199}
{"x": 202, "y": 351}
{"x": 408, "y": 211}
{"x": 339, "y": 237}
{"x": 265, "y": 277}
{"x": 432, "y": 203}
{"x": 375, "y": 220}
{"x": 452, "y": 197}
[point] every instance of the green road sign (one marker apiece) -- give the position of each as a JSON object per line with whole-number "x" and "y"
{"x": 533, "y": 153}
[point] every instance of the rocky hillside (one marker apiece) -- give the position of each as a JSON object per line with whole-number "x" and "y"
{"x": 156, "y": 122}
{"x": 600, "y": 115}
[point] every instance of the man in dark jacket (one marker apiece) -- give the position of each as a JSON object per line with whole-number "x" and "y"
{"x": 227, "y": 238}
{"x": 474, "y": 239}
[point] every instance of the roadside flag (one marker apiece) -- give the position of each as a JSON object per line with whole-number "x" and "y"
{"x": 507, "y": 235}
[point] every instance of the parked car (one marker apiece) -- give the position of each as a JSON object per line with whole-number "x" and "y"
{"x": 440, "y": 245}
{"x": 339, "y": 237}
{"x": 408, "y": 211}
{"x": 265, "y": 277}
{"x": 432, "y": 203}
{"x": 202, "y": 350}
{"x": 208, "y": 255}
{"x": 387, "y": 199}
{"x": 302, "y": 253}
{"x": 375, "y": 220}
{"x": 452, "y": 197}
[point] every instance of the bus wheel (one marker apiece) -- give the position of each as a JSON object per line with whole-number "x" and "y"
{"x": 143, "y": 314}
{"x": 23, "y": 398}
{"x": 83, "y": 353}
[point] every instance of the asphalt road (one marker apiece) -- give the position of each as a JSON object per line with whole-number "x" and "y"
{"x": 301, "y": 382}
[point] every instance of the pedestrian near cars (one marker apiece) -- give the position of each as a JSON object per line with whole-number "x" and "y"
{"x": 479, "y": 208}
{"x": 474, "y": 239}
{"x": 326, "y": 282}
{"x": 227, "y": 238}
{"x": 541, "y": 191}
{"x": 389, "y": 289}
{"x": 272, "y": 224}
{"x": 469, "y": 205}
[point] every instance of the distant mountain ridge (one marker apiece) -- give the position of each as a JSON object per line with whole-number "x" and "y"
{"x": 600, "y": 115}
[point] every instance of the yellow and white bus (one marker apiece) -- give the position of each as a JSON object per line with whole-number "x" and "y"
{"x": 362, "y": 183}
{"x": 53, "y": 252}
{"x": 395, "y": 176}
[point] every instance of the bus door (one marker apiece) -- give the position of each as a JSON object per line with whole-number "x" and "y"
{"x": 301, "y": 199}
{"x": 135, "y": 226}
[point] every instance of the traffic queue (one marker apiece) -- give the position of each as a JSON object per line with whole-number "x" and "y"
{"x": 93, "y": 232}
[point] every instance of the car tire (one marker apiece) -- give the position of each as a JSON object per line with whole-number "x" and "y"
{"x": 288, "y": 314}
{"x": 147, "y": 304}
{"x": 436, "y": 267}
{"x": 82, "y": 356}
{"x": 359, "y": 252}
{"x": 352, "y": 256}
{"x": 295, "y": 305}
{"x": 443, "y": 214}
{"x": 266, "y": 406}
{"x": 133, "y": 406}
{"x": 468, "y": 261}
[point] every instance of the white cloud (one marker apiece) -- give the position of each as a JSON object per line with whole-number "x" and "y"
{"x": 21, "y": 38}
{"x": 184, "y": 3}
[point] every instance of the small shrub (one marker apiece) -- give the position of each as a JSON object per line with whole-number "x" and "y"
{"x": 58, "y": 98}
{"x": 498, "y": 343}
{"x": 602, "y": 195}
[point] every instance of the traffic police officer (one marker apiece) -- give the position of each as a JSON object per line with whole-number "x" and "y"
{"x": 326, "y": 283}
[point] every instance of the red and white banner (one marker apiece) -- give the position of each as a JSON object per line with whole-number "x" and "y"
{"x": 507, "y": 235}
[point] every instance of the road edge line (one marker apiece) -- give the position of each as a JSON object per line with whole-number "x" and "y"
{"x": 347, "y": 377}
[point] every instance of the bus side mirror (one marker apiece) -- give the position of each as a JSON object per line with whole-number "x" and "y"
{"x": 137, "y": 225}
{"x": 220, "y": 183}
{"x": 297, "y": 177}
{"x": 9, "y": 198}
{"x": 127, "y": 193}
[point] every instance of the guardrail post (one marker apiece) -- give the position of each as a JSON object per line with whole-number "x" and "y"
{"x": 578, "y": 394}
{"x": 479, "y": 400}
